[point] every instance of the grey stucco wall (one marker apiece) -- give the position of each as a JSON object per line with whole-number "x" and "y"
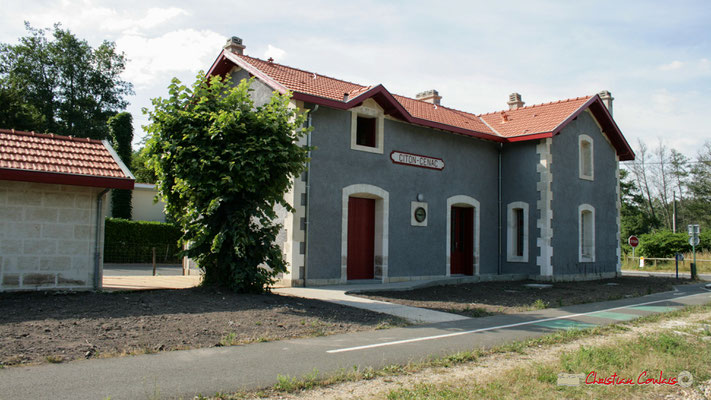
{"x": 569, "y": 191}
{"x": 261, "y": 93}
{"x": 413, "y": 251}
{"x": 519, "y": 162}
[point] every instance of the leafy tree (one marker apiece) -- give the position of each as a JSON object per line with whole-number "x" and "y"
{"x": 121, "y": 132}
{"x": 139, "y": 169}
{"x": 634, "y": 219}
{"x": 699, "y": 207}
{"x": 15, "y": 112}
{"x": 223, "y": 164}
{"x": 61, "y": 85}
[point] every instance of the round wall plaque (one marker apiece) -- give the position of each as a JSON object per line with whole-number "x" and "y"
{"x": 420, "y": 214}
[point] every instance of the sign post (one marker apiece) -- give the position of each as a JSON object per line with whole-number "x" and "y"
{"x": 694, "y": 241}
{"x": 633, "y": 241}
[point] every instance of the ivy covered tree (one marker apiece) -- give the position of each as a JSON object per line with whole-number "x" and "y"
{"x": 223, "y": 164}
{"x": 58, "y": 83}
{"x": 121, "y": 133}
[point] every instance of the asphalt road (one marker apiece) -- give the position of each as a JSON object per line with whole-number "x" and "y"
{"x": 184, "y": 374}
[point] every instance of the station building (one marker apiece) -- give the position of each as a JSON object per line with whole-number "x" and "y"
{"x": 402, "y": 188}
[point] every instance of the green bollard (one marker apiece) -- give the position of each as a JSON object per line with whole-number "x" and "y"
{"x": 693, "y": 272}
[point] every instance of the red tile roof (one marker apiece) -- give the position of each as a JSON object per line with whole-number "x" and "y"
{"x": 526, "y": 123}
{"x": 51, "y": 158}
{"x": 540, "y": 118}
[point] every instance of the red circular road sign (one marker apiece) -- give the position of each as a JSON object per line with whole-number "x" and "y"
{"x": 633, "y": 241}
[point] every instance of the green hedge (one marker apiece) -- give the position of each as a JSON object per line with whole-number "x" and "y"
{"x": 664, "y": 244}
{"x": 127, "y": 241}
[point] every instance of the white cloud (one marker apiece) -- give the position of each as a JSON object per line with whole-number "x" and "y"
{"x": 157, "y": 16}
{"x": 177, "y": 51}
{"x": 671, "y": 66}
{"x": 274, "y": 52}
{"x": 664, "y": 101}
{"x": 88, "y": 17}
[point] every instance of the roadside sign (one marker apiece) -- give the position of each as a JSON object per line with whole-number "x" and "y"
{"x": 633, "y": 241}
{"x": 694, "y": 241}
{"x": 694, "y": 230}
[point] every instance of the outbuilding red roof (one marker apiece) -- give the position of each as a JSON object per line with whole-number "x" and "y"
{"x": 48, "y": 158}
{"x": 526, "y": 123}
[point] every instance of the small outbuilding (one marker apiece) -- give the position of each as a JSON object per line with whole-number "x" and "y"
{"x": 51, "y": 223}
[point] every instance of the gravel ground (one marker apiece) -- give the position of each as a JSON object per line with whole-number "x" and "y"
{"x": 488, "y": 298}
{"x": 57, "y": 327}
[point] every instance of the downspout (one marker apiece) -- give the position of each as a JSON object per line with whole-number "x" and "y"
{"x": 499, "y": 267}
{"x": 97, "y": 249}
{"x": 306, "y": 194}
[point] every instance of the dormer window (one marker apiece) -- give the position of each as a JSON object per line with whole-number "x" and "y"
{"x": 585, "y": 156}
{"x": 365, "y": 131}
{"x": 367, "y": 128}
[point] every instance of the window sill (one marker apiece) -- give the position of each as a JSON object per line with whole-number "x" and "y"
{"x": 377, "y": 150}
{"x": 587, "y": 178}
{"x": 516, "y": 259}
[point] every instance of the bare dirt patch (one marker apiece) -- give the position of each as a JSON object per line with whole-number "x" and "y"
{"x": 488, "y": 298}
{"x": 57, "y": 327}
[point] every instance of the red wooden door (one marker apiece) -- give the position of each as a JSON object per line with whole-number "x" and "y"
{"x": 462, "y": 241}
{"x": 361, "y": 238}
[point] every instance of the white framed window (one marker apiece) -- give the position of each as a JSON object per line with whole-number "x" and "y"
{"x": 586, "y": 233}
{"x": 367, "y": 129}
{"x": 585, "y": 157}
{"x": 517, "y": 232}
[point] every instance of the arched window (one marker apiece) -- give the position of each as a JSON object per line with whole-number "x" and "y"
{"x": 586, "y": 233}
{"x": 585, "y": 150}
{"x": 517, "y": 232}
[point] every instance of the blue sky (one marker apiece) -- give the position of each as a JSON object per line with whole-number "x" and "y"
{"x": 655, "y": 57}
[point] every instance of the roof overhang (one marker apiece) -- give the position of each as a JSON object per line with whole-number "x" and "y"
{"x": 227, "y": 60}
{"x": 608, "y": 125}
{"x": 65, "y": 179}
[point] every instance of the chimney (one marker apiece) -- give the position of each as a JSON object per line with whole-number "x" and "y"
{"x": 430, "y": 96}
{"x": 606, "y": 98}
{"x": 234, "y": 44}
{"x": 515, "y": 101}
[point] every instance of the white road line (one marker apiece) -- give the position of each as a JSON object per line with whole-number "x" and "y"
{"x": 491, "y": 328}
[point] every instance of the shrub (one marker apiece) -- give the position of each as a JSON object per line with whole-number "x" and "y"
{"x": 663, "y": 244}
{"x": 132, "y": 241}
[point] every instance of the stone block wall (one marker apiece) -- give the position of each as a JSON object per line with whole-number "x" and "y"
{"x": 47, "y": 236}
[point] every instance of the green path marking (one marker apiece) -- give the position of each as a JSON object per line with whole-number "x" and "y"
{"x": 565, "y": 324}
{"x": 654, "y": 308}
{"x": 614, "y": 315}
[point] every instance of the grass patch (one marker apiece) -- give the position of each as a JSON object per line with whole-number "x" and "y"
{"x": 229, "y": 339}
{"x": 669, "y": 352}
{"x": 702, "y": 265}
{"x": 53, "y": 359}
{"x": 539, "y": 305}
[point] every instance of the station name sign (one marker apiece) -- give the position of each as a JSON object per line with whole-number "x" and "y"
{"x": 416, "y": 160}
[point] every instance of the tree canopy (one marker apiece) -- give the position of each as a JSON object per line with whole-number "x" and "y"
{"x": 61, "y": 84}
{"x": 223, "y": 164}
{"x": 121, "y": 132}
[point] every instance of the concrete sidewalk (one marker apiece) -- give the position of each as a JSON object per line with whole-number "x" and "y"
{"x": 185, "y": 374}
{"x": 339, "y": 295}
